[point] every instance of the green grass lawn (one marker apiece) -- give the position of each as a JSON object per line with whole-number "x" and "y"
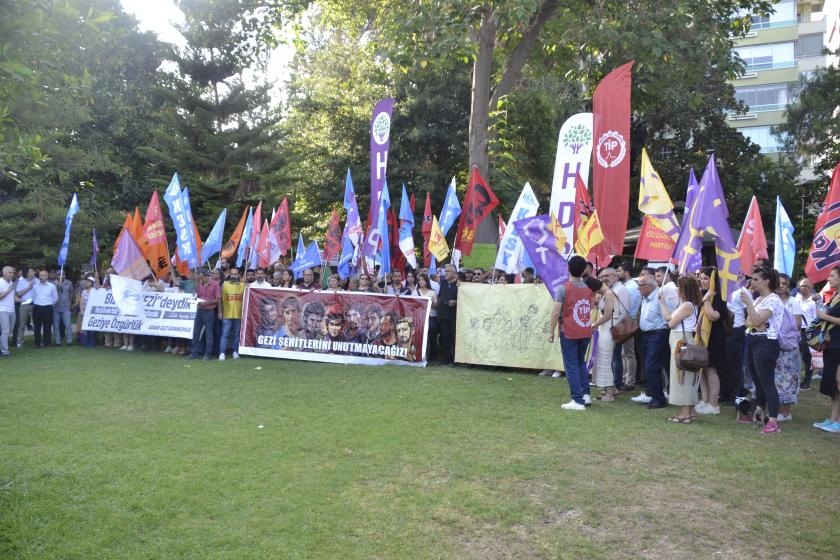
{"x": 106, "y": 454}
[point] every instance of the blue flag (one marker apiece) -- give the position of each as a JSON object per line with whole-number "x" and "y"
{"x": 448, "y": 214}
{"x": 309, "y": 258}
{"x": 214, "y": 241}
{"x": 346, "y": 259}
{"x": 68, "y": 223}
{"x": 385, "y": 251}
{"x": 181, "y": 216}
{"x": 246, "y": 238}
{"x": 353, "y": 224}
{"x": 185, "y": 195}
{"x": 785, "y": 246}
{"x": 407, "y": 230}
{"x": 300, "y": 246}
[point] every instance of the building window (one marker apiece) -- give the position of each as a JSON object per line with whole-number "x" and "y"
{"x": 767, "y": 57}
{"x": 772, "y": 97}
{"x": 784, "y": 15}
{"x": 763, "y": 136}
{"x": 809, "y": 45}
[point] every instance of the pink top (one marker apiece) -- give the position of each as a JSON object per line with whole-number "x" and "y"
{"x": 209, "y": 292}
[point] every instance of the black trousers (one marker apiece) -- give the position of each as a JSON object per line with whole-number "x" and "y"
{"x": 732, "y": 379}
{"x": 447, "y": 340}
{"x": 42, "y": 317}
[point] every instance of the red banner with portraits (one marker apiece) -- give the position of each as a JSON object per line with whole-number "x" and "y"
{"x": 336, "y": 327}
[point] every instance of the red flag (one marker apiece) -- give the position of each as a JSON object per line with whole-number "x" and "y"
{"x": 263, "y": 252}
{"x": 594, "y": 247}
{"x": 332, "y": 245}
{"x": 752, "y": 243}
{"x": 478, "y": 203}
{"x": 398, "y": 261}
{"x": 158, "y": 250}
{"x": 412, "y": 203}
{"x": 825, "y": 249}
{"x": 427, "y": 230}
{"x": 280, "y": 231}
{"x": 502, "y": 228}
{"x": 255, "y": 237}
{"x": 611, "y": 155}
{"x": 654, "y": 244}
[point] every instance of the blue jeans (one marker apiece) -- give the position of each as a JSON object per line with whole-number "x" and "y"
{"x": 617, "y": 366}
{"x": 60, "y": 317}
{"x": 574, "y": 360}
{"x": 203, "y": 318}
{"x": 655, "y": 349}
{"x": 227, "y": 325}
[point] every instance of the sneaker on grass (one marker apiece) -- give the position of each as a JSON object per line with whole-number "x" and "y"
{"x": 222, "y": 357}
{"x": 642, "y": 398}
{"x": 833, "y": 428}
{"x": 819, "y": 425}
{"x": 572, "y": 405}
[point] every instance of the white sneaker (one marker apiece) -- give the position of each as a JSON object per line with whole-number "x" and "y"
{"x": 706, "y": 409}
{"x": 168, "y": 350}
{"x": 700, "y": 408}
{"x": 642, "y": 398}
{"x": 123, "y": 347}
{"x": 129, "y": 348}
{"x": 782, "y": 418}
{"x": 572, "y": 405}
{"x": 587, "y": 400}
{"x": 556, "y": 374}
{"x": 236, "y": 355}
{"x": 222, "y": 357}
{"x": 545, "y": 373}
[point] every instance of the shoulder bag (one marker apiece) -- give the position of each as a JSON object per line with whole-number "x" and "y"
{"x": 625, "y": 329}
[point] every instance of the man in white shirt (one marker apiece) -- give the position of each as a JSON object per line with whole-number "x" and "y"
{"x": 628, "y": 349}
{"x": 805, "y": 297}
{"x": 732, "y": 384}
{"x": 44, "y": 297}
{"x": 23, "y": 291}
{"x": 260, "y": 281}
{"x": 7, "y": 308}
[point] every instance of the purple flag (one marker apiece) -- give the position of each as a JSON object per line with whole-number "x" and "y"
{"x": 710, "y": 215}
{"x": 545, "y": 242}
{"x": 380, "y": 135}
{"x": 687, "y": 250}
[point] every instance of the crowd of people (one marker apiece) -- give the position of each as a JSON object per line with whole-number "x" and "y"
{"x": 746, "y": 361}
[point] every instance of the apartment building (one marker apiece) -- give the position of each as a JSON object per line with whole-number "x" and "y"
{"x": 778, "y": 51}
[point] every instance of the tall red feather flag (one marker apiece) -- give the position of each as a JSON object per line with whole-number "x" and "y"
{"x": 611, "y": 155}
{"x": 479, "y": 201}
{"x": 752, "y": 243}
{"x": 825, "y": 249}
{"x": 332, "y": 245}
{"x": 263, "y": 248}
{"x": 426, "y": 230}
{"x": 398, "y": 261}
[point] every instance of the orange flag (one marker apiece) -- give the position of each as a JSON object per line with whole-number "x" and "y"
{"x": 233, "y": 243}
{"x": 157, "y": 249}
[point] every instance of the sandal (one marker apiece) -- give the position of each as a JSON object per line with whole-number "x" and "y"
{"x": 607, "y": 396}
{"x": 681, "y": 420}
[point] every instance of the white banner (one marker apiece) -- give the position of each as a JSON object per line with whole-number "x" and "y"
{"x": 510, "y": 253}
{"x": 574, "y": 150}
{"x": 164, "y": 314}
{"x": 128, "y": 295}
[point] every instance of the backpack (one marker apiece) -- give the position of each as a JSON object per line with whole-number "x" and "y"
{"x": 788, "y": 332}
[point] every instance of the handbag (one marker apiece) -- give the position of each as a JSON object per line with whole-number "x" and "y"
{"x": 689, "y": 356}
{"x": 625, "y": 329}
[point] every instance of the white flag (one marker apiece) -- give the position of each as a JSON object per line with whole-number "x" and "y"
{"x": 128, "y": 295}
{"x": 574, "y": 150}
{"x": 510, "y": 253}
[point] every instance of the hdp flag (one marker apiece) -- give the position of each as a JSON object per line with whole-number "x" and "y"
{"x": 611, "y": 154}
{"x": 95, "y": 250}
{"x": 380, "y": 136}
{"x": 213, "y": 244}
{"x": 157, "y": 249}
{"x": 309, "y": 258}
{"x": 407, "y": 230}
{"x": 353, "y": 223}
{"x": 233, "y": 243}
{"x": 710, "y": 215}
{"x": 589, "y": 237}
{"x": 182, "y": 218}
{"x": 825, "y": 249}
{"x": 332, "y": 243}
{"x": 752, "y": 243}
{"x": 68, "y": 223}
{"x": 246, "y": 237}
{"x": 784, "y": 245}
{"x": 128, "y": 260}
{"x": 545, "y": 242}
{"x": 687, "y": 252}
{"x": 654, "y": 200}
{"x": 479, "y": 201}
{"x": 426, "y": 230}
{"x": 437, "y": 241}
{"x": 510, "y": 255}
{"x": 280, "y": 231}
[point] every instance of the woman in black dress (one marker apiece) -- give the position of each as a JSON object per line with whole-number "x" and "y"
{"x": 716, "y": 312}
{"x": 830, "y": 384}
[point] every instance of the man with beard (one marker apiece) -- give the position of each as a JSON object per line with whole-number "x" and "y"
{"x": 291, "y": 318}
{"x": 354, "y": 331}
{"x": 405, "y": 336}
{"x": 373, "y": 318}
{"x": 313, "y": 320}
{"x": 259, "y": 279}
{"x": 250, "y": 276}
{"x": 387, "y": 330}
{"x": 335, "y": 326}
{"x": 268, "y": 322}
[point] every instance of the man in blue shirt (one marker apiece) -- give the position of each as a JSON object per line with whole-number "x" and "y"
{"x": 655, "y": 345}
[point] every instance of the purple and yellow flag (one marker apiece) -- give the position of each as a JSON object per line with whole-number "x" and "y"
{"x": 689, "y": 244}
{"x": 545, "y": 242}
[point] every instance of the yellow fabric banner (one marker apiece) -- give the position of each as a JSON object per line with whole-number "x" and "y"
{"x": 505, "y": 325}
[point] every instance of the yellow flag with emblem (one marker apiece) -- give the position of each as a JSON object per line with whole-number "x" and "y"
{"x": 437, "y": 242}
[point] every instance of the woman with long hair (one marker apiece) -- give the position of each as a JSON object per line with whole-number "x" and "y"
{"x": 830, "y": 383}
{"x": 764, "y": 322}
{"x": 715, "y": 311}
{"x": 424, "y": 289}
{"x": 789, "y": 364}
{"x": 682, "y": 322}
{"x": 286, "y": 279}
{"x": 366, "y": 285}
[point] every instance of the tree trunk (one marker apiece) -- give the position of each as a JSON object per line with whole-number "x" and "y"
{"x": 480, "y": 109}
